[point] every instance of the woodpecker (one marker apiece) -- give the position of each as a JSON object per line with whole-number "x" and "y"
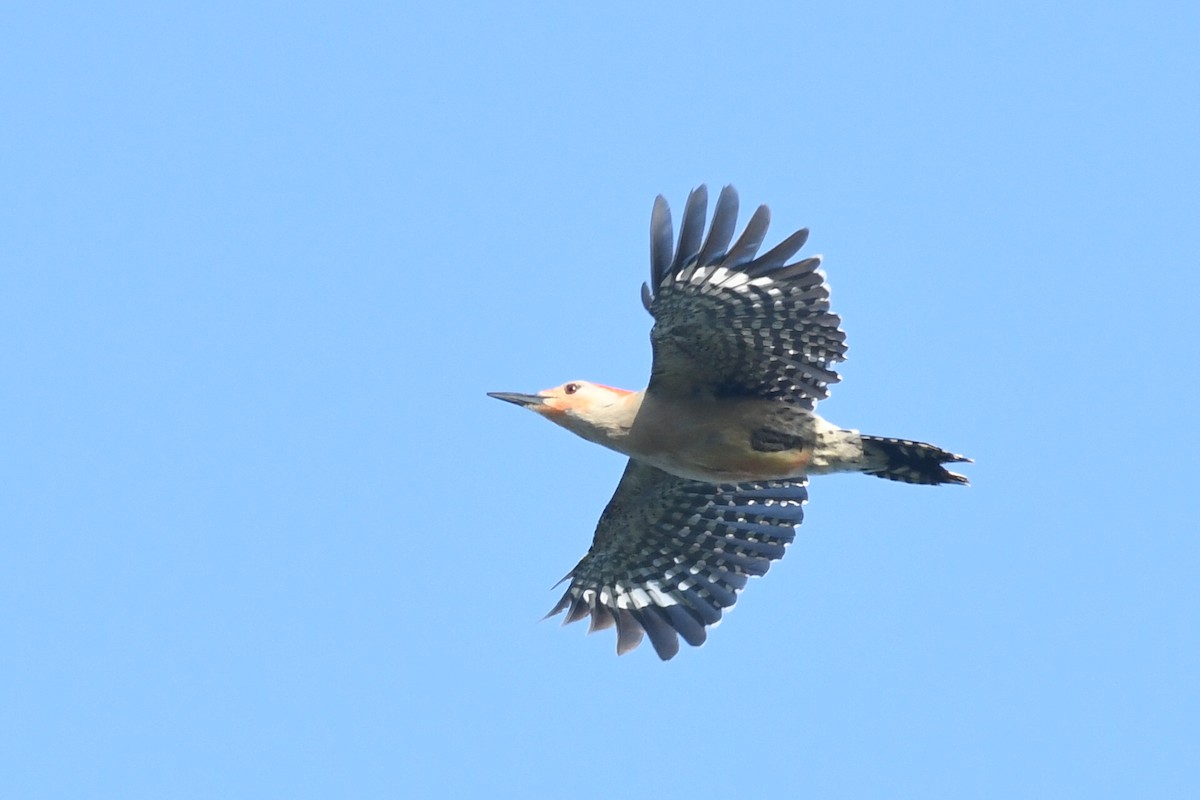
{"x": 723, "y": 438}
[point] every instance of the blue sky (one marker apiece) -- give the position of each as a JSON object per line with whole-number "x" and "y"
{"x": 265, "y": 536}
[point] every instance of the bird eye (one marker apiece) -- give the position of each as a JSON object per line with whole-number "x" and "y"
{"x": 571, "y": 388}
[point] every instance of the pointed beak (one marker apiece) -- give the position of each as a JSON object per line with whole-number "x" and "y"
{"x": 524, "y": 400}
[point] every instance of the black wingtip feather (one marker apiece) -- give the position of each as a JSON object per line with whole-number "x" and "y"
{"x": 805, "y": 268}
{"x": 751, "y": 239}
{"x": 662, "y": 636}
{"x": 661, "y": 240}
{"x": 691, "y": 232}
{"x": 687, "y": 624}
{"x": 721, "y": 232}
{"x": 778, "y": 255}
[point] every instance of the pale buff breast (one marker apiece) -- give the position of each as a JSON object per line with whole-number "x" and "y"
{"x": 710, "y": 440}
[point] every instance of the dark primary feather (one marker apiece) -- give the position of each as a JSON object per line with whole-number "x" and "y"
{"x": 660, "y": 238}
{"x": 669, "y": 555}
{"x": 751, "y": 239}
{"x": 692, "y": 232}
{"x": 723, "y": 224}
{"x": 734, "y": 324}
{"x": 779, "y": 254}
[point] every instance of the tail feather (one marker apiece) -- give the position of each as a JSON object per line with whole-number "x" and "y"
{"x": 910, "y": 462}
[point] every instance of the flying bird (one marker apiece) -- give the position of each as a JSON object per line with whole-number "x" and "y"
{"x": 723, "y": 438}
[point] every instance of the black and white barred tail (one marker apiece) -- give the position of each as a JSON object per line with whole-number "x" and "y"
{"x": 908, "y": 461}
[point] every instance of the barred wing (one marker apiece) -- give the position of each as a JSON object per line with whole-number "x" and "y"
{"x": 734, "y": 323}
{"x": 670, "y": 554}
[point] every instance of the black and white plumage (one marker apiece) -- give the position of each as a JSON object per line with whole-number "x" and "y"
{"x": 724, "y": 437}
{"x": 670, "y": 554}
{"x": 733, "y": 322}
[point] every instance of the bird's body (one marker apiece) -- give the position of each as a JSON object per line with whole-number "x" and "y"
{"x": 717, "y": 440}
{"x": 721, "y": 442}
{"x": 713, "y": 439}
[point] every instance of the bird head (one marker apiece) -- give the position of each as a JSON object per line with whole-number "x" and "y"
{"x": 581, "y": 406}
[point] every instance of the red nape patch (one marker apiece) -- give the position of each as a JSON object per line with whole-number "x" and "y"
{"x": 614, "y": 389}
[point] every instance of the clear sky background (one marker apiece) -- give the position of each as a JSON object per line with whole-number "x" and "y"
{"x": 265, "y": 536}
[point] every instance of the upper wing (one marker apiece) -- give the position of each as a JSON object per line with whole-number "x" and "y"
{"x": 732, "y": 323}
{"x": 669, "y": 554}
